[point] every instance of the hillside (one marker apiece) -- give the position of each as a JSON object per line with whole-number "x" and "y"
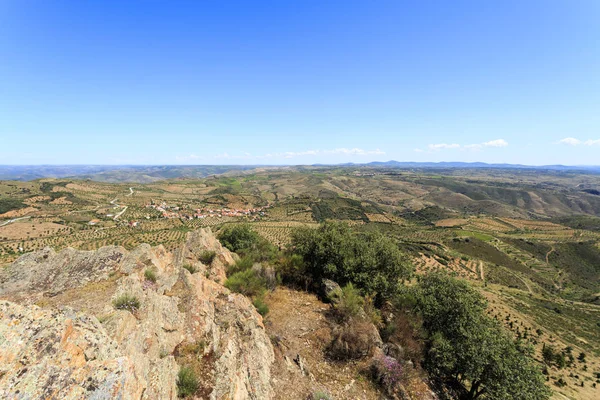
{"x": 528, "y": 240}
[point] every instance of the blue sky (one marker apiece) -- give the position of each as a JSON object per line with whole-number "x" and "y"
{"x": 280, "y": 82}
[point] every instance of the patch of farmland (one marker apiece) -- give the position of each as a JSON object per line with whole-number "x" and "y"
{"x": 24, "y": 230}
{"x": 490, "y": 224}
{"x": 531, "y": 225}
{"x": 451, "y": 222}
{"x": 466, "y": 269}
{"x": 377, "y": 218}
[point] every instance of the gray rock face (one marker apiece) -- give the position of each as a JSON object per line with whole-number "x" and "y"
{"x": 137, "y": 353}
{"x": 60, "y": 355}
{"x": 48, "y": 271}
{"x": 330, "y": 290}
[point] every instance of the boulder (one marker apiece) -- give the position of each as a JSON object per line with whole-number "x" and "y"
{"x": 329, "y": 290}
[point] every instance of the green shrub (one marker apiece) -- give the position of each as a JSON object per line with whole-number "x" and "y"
{"x": 126, "y": 302}
{"x": 150, "y": 275}
{"x": 348, "y": 302}
{"x": 369, "y": 260}
{"x": 243, "y": 264}
{"x": 207, "y": 256}
{"x": 190, "y": 268}
{"x": 292, "y": 270}
{"x": 243, "y": 240}
{"x": 261, "y": 306}
{"x": 238, "y": 237}
{"x": 247, "y": 283}
{"x": 187, "y": 382}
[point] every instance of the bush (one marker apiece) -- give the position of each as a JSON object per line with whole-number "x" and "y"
{"x": 150, "y": 275}
{"x": 243, "y": 240}
{"x": 126, "y": 302}
{"x": 293, "y": 271}
{"x": 354, "y": 340}
{"x": 243, "y": 264}
{"x": 239, "y": 237}
{"x": 387, "y": 371}
{"x": 348, "y": 303}
{"x": 190, "y": 268}
{"x": 247, "y": 283}
{"x": 261, "y": 306}
{"x": 187, "y": 382}
{"x": 207, "y": 256}
{"x": 369, "y": 260}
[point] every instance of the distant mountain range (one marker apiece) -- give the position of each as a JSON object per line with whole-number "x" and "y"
{"x": 152, "y": 173}
{"x": 399, "y": 164}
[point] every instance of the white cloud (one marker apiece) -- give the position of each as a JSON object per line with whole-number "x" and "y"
{"x": 570, "y": 141}
{"x": 495, "y": 143}
{"x": 440, "y": 146}
{"x": 418, "y": 150}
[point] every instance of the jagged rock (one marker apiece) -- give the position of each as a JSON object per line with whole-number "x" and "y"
{"x": 176, "y": 311}
{"x": 394, "y": 350}
{"x": 61, "y": 355}
{"x": 301, "y": 364}
{"x": 329, "y": 290}
{"x": 199, "y": 241}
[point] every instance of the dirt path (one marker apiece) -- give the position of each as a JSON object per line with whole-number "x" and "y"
{"x": 481, "y": 273}
{"x": 114, "y": 203}
{"x": 548, "y": 254}
{"x": 10, "y": 221}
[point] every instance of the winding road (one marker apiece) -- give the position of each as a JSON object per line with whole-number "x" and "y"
{"x": 114, "y": 203}
{"x": 10, "y": 221}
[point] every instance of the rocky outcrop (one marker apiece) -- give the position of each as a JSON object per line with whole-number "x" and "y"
{"x": 191, "y": 254}
{"x": 50, "y": 354}
{"x": 179, "y": 319}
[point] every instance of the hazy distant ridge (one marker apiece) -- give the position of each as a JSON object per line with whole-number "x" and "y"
{"x": 152, "y": 173}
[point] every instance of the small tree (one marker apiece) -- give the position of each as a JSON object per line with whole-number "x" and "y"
{"x": 468, "y": 346}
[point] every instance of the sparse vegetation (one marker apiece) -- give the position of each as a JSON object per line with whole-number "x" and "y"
{"x": 260, "y": 305}
{"x": 187, "y": 382}
{"x": 207, "y": 256}
{"x": 150, "y": 275}
{"x": 127, "y": 302}
{"x": 320, "y": 395}
{"x": 191, "y": 269}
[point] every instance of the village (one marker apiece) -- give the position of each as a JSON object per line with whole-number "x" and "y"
{"x": 168, "y": 211}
